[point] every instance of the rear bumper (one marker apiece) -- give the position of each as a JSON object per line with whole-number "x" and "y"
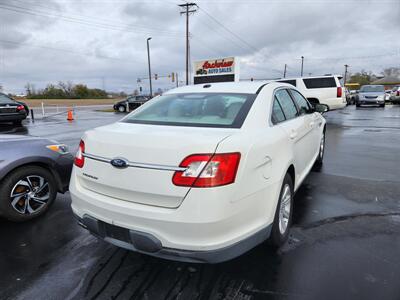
{"x": 148, "y": 244}
{"x": 12, "y": 117}
{"x": 208, "y": 220}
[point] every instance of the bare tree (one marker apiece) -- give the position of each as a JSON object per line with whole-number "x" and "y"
{"x": 67, "y": 87}
{"x": 30, "y": 89}
{"x": 393, "y": 71}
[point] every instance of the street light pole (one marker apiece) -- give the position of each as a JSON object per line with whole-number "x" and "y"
{"x": 302, "y": 64}
{"x": 148, "y": 59}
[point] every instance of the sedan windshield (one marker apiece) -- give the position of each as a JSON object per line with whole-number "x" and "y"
{"x": 372, "y": 89}
{"x": 5, "y": 100}
{"x": 195, "y": 109}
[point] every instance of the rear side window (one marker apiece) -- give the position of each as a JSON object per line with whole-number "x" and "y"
{"x": 301, "y": 102}
{"x": 287, "y": 104}
{"x": 317, "y": 83}
{"x": 290, "y": 81}
{"x": 277, "y": 112}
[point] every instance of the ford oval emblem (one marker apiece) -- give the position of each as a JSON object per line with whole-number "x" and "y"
{"x": 119, "y": 163}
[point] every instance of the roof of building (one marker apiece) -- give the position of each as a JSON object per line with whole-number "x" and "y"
{"x": 387, "y": 80}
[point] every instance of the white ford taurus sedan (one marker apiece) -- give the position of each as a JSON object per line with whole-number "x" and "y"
{"x": 201, "y": 174}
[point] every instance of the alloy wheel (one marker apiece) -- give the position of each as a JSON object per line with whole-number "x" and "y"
{"x": 30, "y": 194}
{"x": 322, "y": 146}
{"x": 284, "y": 209}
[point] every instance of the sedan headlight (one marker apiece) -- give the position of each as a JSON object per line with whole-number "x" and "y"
{"x": 61, "y": 148}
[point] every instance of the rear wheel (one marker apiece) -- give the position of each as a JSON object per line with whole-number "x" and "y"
{"x": 27, "y": 193}
{"x": 321, "y": 152}
{"x": 283, "y": 214}
{"x": 121, "y": 108}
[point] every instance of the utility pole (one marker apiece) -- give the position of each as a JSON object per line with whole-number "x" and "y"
{"x": 302, "y": 65}
{"x": 345, "y": 74}
{"x": 187, "y": 10}
{"x": 284, "y": 71}
{"x": 148, "y": 59}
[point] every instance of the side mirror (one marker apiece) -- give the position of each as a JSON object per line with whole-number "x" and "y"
{"x": 321, "y": 108}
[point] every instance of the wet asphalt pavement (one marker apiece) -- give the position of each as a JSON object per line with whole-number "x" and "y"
{"x": 344, "y": 244}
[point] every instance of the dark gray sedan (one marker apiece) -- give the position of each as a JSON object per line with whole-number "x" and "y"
{"x": 11, "y": 110}
{"x": 32, "y": 171}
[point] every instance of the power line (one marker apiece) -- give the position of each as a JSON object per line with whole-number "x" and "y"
{"x": 98, "y": 25}
{"x": 230, "y": 31}
{"x": 114, "y": 23}
{"x": 64, "y": 50}
{"x": 226, "y": 37}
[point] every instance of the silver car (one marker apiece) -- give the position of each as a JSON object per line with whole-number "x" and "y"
{"x": 395, "y": 94}
{"x": 371, "y": 95}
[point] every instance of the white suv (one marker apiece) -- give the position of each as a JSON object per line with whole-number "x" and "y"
{"x": 326, "y": 89}
{"x": 202, "y": 173}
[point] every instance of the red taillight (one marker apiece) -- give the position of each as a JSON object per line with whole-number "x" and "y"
{"x": 208, "y": 170}
{"x": 79, "y": 158}
{"x": 20, "y": 107}
{"x": 339, "y": 92}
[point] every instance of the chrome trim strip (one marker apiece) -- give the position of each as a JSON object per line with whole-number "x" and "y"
{"x": 137, "y": 165}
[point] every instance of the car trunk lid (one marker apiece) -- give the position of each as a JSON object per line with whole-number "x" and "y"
{"x": 8, "y": 108}
{"x": 153, "y": 153}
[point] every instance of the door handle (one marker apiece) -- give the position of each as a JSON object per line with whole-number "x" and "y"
{"x": 293, "y": 135}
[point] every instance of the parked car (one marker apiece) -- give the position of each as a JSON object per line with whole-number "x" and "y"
{"x": 327, "y": 89}
{"x": 351, "y": 97}
{"x": 202, "y": 173}
{"x": 388, "y": 93}
{"x": 395, "y": 94}
{"x": 371, "y": 95}
{"x": 32, "y": 171}
{"x": 134, "y": 102}
{"x": 11, "y": 110}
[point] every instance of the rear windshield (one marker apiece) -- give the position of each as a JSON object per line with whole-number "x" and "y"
{"x": 4, "y": 99}
{"x": 195, "y": 109}
{"x": 317, "y": 83}
{"x": 372, "y": 88}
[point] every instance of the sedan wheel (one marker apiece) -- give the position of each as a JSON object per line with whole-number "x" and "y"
{"x": 26, "y": 193}
{"x": 121, "y": 109}
{"x": 284, "y": 209}
{"x": 283, "y": 214}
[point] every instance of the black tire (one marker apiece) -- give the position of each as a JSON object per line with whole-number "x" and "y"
{"x": 121, "y": 109}
{"x": 277, "y": 237}
{"x": 9, "y": 185}
{"x": 320, "y": 159}
{"x": 358, "y": 105}
{"x": 382, "y": 105}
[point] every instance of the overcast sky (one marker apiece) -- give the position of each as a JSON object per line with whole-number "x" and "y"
{"x": 103, "y": 43}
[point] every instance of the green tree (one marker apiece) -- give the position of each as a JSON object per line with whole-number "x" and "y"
{"x": 361, "y": 78}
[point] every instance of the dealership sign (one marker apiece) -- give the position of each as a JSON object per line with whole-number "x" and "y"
{"x": 216, "y": 70}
